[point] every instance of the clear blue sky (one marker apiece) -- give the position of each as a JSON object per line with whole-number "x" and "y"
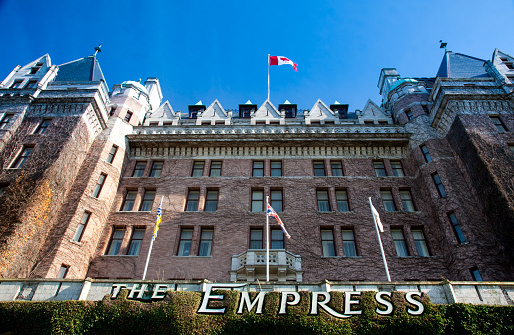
{"x": 218, "y": 49}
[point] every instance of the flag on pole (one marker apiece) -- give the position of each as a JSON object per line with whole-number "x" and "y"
{"x": 377, "y": 217}
{"x": 157, "y": 221}
{"x": 271, "y": 212}
{"x": 281, "y": 60}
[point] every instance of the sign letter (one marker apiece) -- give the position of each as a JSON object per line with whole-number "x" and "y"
{"x": 348, "y": 302}
{"x": 245, "y": 298}
{"x": 323, "y": 304}
{"x": 284, "y": 302}
{"x": 383, "y": 302}
{"x": 207, "y": 295}
{"x": 116, "y": 288}
{"x": 411, "y": 300}
{"x": 159, "y": 288}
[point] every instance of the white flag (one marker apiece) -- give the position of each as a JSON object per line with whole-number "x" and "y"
{"x": 376, "y": 216}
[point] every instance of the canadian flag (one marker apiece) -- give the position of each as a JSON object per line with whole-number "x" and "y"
{"x": 281, "y": 60}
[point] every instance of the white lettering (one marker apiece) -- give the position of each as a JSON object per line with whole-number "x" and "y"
{"x": 139, "y": 292}
{"x": 411, "y": 300}
{"x": 383, "y": 302}
{"x": 348, "y": 302}
{"x": 245, "y": 298}
{"x": 159, "y": 288}
{"x": 207, "y": 295}
{"x": 284, "y": 302}
{"x": 116, "y": 288}
{"x": 323, "y": 304}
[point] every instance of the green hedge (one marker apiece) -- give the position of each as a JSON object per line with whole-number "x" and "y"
{"x": 176, "y": 314}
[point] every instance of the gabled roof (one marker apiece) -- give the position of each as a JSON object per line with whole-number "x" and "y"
{"x": 267, "y": 111}
{"x": 372, "y": 110}
{"x": 215, "y": 110}
{"x": 164, "y": 113}
{"x": 84, "y": 69}
{"x": 320, "y": 111}
{"x": 456, "y": 65}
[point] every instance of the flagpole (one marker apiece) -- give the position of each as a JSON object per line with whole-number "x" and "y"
{"x": 379, "y": 241}
{"x": 268, "y": 76}
{"x": 267, "y": 240}
{"x": 151, "y": 245}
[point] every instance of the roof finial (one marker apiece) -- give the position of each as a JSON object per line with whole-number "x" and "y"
{"x": 443, "y": 45}
{"x": 98, "y": 49}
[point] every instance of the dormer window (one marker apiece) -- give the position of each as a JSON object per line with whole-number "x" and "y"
{"x": 245, "y": 111}
{"x": 194, "y": 110}
{"x": 288, "y": 109}
{"x": 340, "y": 109}
{"x": 32, "y": 83}
{"x": 17, "y": 83}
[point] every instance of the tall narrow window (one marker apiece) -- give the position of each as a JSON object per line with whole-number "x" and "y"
{"x": 22, "y": 157}
{"x": 425, "y": 152}
{"x": 475, "y": 274}
{"x": 439, "y": 185}
{"x": 421, "y": 244}
{"x": 380, "y": 170}
{"x": 112, "y": 153}
{"x": 139, "y": 169}
{"x": 147, "y": 203}
{"x": 63, "y": 271}
{"x": 128, "y": 203}
{"x": 276, "y": 200}
{"x": 41, "y": 129}
{"x": 319, "y": 168}
{"x": 399, "y": 243}
{"x": 5, "y": 120}
{"x": 456, "y": 227}
{"x": 32, "y": 83}
{"x": 397, "y": 168}
{"x": 387, "y": 199}
{"x": 257, "y": 201}
{"x": 206, "y": 242}
{"x": 277, "y": 239}
{"x": 323, "y": 203}
{"x": 408, "y": 112}
{"x": 498, "y": 124}
{"x": 211, "y": 201}
{"x": 128, "y": 116}
{"x": 342, "y": 201}
{"x": 17, "y": 83}
{"x": 349, "y": 243}
{"x": 136, "y": 241}
{"x": 256, "y": 241}
{"x": 192, "y": 200}
{"x": 184, "y": 247}
{"x": 327, "y": 242}
{"x": 116, "y": 239}
{"x": 81, "y": 227}
{"x": 258, "y": 169}
{"x": 99, "y": 185}
{"x": 156, "y": 169}
{"x": 276, "y": 168}
{"x": 215, "y": 169}
{"x": 408, "y": 204}
{"x": 337, "y": 168}
{"x": 198, "y": 169}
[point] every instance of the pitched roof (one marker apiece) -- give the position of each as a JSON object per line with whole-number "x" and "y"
{"x": 456, "y": 65}
{"x": 84, "y": 69}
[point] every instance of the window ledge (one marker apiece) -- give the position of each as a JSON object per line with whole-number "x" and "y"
{"x": 192, "y": 256}
{"x": 130, "y": 256}
{"x": 76, "y": 242}
{"x": 145, "y": 212}
{"x": 340, "y": 257}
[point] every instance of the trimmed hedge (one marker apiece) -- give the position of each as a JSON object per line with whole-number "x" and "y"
{"x": 176, "y": 314}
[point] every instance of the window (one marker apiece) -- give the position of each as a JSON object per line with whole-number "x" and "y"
{"x": 206, "y": 242}
{"x": 34, "y": 70}
{"x": 5, "y": 120}
{"x": 22, "y": 157}
{"x": 99, "y": 185}
{"x": 421, "y": 244}
{"x": 156, "y": 169}
{"x": 349, "y": 243}
{"x": 81, "y": 227}
{"x": 276, "y": 168}
{"x": 408, "y": 112}
{"x": 116, "y": 239}
{"x": 277, "y": 239}
{"x": 425, "y": 152}
{"x": 498, "y": 123}
{"x": 387, "y": 199}
{"x": 41, "y": 129}
{"x": 16, "y": 83}
{"x": 257, "y": 201}
{"x": 456, "y": 227}
{"x": 475, "y": 274}
{"x": 342, "y": 201}
{"x": 276, "y": 200}
{"x": 379, "y": 169}
{"x": 139, "y": 169}
{"x": 425, "y": 109}
{"x": 397, "y": 168}
{"x": 215, "y": 169}
{"x": 198, "y": 169}
{"x": 148, "y": 198}
{"x": 337, "y": 168}
{"x": 211, "y": 201}
{"x": 32, "y": 83}
{"x": 399, "y": 243}
{"x": 184, "y": 247}
{"x": 192, "y": 200}
{"x": 327, "y": 242}
{"x": 439, "y": 185}
{"x": 319, "y": 168}
{"x": 3, "y": 187}
{"x": 256, "y": 241}
{"x": 406, "y": 197}
{"x": 511, "y": 146}
{"x": 136, "y": 241}
{"x": 63, "y": 271}
{"x": 128, "y": 116}
{"x": 258, "y": 169}
{"x": 112, "y": 153}
{"x": 128, "y": 203}
{"x": 323, "y": 203}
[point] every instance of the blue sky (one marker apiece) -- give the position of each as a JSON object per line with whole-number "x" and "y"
{"x": 207, "y": 50}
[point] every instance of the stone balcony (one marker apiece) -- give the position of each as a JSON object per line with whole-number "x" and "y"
{"x": 251, "y": 265}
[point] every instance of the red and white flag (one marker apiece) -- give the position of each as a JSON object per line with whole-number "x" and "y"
{"x": 281, "y": 60}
